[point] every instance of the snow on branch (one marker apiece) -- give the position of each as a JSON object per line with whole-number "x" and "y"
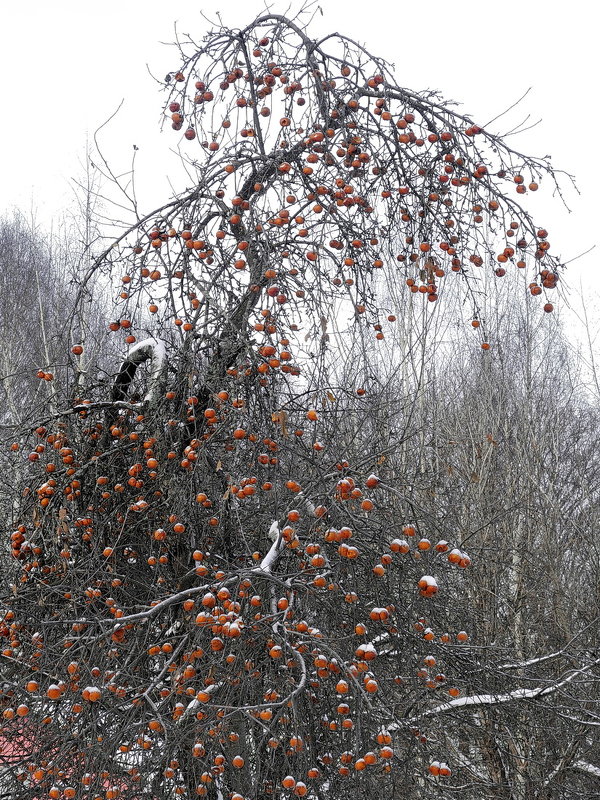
{"x": 153, "y": 349}
{"x": 271, "y": 557}
{"x": 531, "y": 661}
{"x": 585, "y": 766}
{"x": 591, "y": 722}
{"x": 154, "y": 610}
{"x": 264, "y": 568}
{"x": 196, "y": 703}
{"x": 477, "y": 700}
{"x": 541, "y": 659}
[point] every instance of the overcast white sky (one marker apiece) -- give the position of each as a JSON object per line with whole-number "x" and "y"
{"x": 65, "y": 67}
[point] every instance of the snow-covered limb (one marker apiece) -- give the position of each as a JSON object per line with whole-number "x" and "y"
{"x": 150, "y": 347}
{"x": 477, "y": 700}
{"x": 191, "y": 707}
{"x": 303, "y": 673}
{"x": 585, "y": 766}
{"x": 274, "y": 531}
{"x": 168, "y": 601}
{"x": 541, "y": 659}
{"x": 271, "y": 557}
{"x": 579, "y": 721}
{"x": 263, "y": 568}
{"x": 531, "y": 661}
{"x": 153, "y": 349}
{"x": 159, "y": 369}
{"x": 565, "y": 761}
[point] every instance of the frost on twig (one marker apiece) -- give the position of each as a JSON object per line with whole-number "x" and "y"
{"x": 271, "y": 557}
